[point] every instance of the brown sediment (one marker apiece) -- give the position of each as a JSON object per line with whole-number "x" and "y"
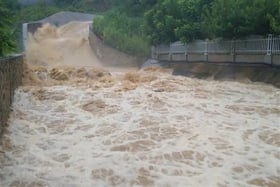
{"x": 270, "y": 137}
{"x": 271, "y": 182}
{"x": 42, "y": 76}
{"x": 138, "y": 77}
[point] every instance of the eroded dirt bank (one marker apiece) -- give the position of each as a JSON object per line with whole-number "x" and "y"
{"x": 85, "y": 126}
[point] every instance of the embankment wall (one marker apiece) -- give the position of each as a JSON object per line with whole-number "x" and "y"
{"x": 222, "y": 71}
{"x": 244, "y": 58}
{"x": 11, "y": 70}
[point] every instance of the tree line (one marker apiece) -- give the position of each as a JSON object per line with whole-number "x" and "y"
{"x": 186, "y": 20}
{"x": 130, "y": 24}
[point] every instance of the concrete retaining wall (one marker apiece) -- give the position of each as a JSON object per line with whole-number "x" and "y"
{"x": 216, "y": 57}
{"x": 253, "y": 58}
{"x": 276, "y": 60}
{"x": 11, "y": 70}
{"x": 245, "y": 58}
{"x": 199, "y": 57}
{"x": 223, "y": 71}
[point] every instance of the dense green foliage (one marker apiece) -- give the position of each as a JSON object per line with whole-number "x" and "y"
{"x": 7, "y": 40}
{"x": 123, "y": 26}
{"x": 171, "y": 20}
{"x": 135, "y": 7}
{"x": 131, "y": 7}
{"x": 239, "y": 18}
{"x": 275, "y": 21}
{"x": 122, "y": 32}
{"x": 185, "y": 20}
{"x": 36, "y": 12}
{"x": 89, "y": 6}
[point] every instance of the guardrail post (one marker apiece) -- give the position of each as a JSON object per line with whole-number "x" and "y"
{"x": 206, "y": 50}
{"x": 186, "y": 52}
{"x": 233, "y": 53}
{"x": 273, "y": 49}
{"x": 269, "y": 48}
{"x": 269, "y": 44}
{"x": 170, "y": 52}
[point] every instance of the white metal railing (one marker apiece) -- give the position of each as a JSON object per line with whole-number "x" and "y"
{"x": 178, "y": 47}
{"x": 220, "y": 47}
{"x": 269, "y": 45}
{"x": 252, "y": 46}
{"x": 276, "y": 45}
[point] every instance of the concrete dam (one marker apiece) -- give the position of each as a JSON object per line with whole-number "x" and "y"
{"x": 75, "y": 112}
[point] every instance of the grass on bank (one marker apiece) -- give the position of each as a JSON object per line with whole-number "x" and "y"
{"x": 123, "y": 33}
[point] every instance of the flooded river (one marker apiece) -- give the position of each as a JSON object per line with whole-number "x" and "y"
{"x": 143, "y": 129}
{"x": 86, "y": 127}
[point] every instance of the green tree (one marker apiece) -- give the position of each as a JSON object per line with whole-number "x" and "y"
{"x": 7, "y": 43}
{"x": 240, "y": 18}
{"x": 135, "y": 7}
{"x": 65, "y": 2}
{"x": 171, "y": 20}
{"x": 186, "y": 20}
{"x": 161, "y": 21}
{"x": 275, "y": 21}
{"x": 36, "y": 12}
{"x": 86, "y": 5}
{"x": 191, "y": 19}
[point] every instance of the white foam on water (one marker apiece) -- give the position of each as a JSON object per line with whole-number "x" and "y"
{"x": 52, "y": 46}
{"x": 165, "y": 131}
{"x": 173, "y": 131}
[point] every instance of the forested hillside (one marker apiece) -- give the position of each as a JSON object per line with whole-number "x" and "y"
{"x": 132, "y": 25}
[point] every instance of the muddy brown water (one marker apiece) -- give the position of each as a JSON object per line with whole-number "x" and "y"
{"x": 167, "y": 131}
{"x": 83, "y": 127}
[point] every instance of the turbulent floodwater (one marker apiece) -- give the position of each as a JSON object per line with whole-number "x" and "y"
{"x": 85, "y": 127}
{"x": 67, "y": 45}
{"x": 162, "y": 130}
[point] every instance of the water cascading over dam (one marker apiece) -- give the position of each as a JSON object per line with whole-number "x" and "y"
{"x": 75, "y": 123}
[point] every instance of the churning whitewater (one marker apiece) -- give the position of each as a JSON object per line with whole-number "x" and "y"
{"x": 84, "y": 127}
